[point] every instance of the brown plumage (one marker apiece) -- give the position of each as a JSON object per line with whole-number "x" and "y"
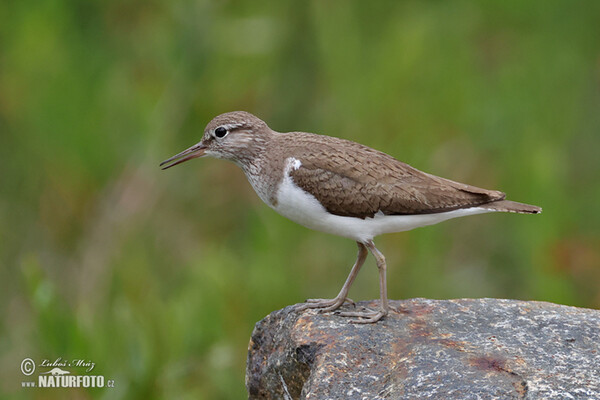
{"x": 341, "y": 187}
{"x": 333, "y": 167}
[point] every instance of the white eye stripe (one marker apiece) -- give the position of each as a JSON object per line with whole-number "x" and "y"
{"x": 231, "y": 126}
{"x": 226, "y": 128}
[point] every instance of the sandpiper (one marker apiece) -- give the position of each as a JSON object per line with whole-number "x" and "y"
{"x": 341, "y": 187}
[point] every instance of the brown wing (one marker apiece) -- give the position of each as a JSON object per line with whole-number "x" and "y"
{"x": 358, "y": 181}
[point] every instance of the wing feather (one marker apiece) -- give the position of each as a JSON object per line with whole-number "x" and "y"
{"x": 357, "y": 181}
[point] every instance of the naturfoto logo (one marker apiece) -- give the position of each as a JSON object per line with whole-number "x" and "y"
{"x": 63, "y": 373}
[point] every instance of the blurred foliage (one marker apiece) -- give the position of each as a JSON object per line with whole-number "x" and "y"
{"x": 158, "y": 277}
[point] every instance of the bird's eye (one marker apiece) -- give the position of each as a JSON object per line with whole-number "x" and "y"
{"x": 220, "y": 132}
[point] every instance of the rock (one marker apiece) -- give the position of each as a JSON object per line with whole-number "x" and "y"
{"x": 429, "y": 349}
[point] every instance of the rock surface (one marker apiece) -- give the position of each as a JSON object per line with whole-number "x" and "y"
{"x": 429, "y": 349}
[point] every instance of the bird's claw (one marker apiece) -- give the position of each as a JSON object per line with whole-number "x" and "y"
{"x": 325, "y": 305}
{"x": 364, "y": 317}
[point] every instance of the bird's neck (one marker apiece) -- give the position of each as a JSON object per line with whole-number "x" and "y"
{"x": 253, "y": 155}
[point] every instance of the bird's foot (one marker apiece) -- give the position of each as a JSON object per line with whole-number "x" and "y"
{"x": 363, "y": 317}
{"x": 325, "y": 305}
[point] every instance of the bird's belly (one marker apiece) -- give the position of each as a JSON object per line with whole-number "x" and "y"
{"x": 304, "y": 209}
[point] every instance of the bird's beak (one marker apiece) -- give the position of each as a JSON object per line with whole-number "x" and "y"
{"x": 195, "y": 151}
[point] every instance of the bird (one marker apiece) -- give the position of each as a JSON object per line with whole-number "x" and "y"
{"x": 343, "y": 188}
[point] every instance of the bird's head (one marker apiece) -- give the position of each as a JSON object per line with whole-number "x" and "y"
{"x": 237, "y": 136}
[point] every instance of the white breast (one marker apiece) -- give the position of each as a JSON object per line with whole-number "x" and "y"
{"x": 304, "y": 209}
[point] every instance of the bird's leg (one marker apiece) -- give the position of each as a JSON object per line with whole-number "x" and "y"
{"x": 333, "y": 304}
{"x": 374, "y": 316}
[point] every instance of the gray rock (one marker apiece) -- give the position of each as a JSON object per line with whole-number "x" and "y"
{"x": 429, "y": 349}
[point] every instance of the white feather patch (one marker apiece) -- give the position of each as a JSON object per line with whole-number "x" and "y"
{"x": 292, "y": 164}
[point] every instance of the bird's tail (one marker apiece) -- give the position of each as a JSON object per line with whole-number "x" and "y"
{"x": 512, "y": 206}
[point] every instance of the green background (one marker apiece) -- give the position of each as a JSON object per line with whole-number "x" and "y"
{"x": 159, "y": 276}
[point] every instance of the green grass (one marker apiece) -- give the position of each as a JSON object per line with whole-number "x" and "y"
{"x": 158, "y": 277}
